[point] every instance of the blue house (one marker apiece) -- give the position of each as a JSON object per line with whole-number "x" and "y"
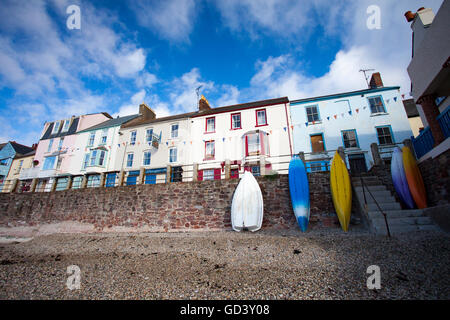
{"x": 352, "y": 120}
{"x": 8, "y": 151}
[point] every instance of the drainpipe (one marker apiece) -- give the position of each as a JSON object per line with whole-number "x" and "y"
{"x": 288, "y": 128}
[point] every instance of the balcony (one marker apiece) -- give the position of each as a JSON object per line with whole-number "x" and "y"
{"x": 32, "y": 173}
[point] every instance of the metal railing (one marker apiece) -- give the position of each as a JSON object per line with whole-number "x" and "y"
{"x": 376, "y": 203}
{"x": 423, "y": 143}
{"x": 444, "y": 122}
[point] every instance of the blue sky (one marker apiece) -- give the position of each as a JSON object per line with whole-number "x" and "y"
{"x": 127, "y": 52}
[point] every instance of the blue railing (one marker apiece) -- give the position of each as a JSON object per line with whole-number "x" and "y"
{"x": 444, "y": 122}
{"x": 423, "y": 143}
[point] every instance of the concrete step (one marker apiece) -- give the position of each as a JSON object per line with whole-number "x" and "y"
{"x": 367, "y": 183}
{"x": 395, "y": 214}
{"x": 384, "y": 206}
{"x": 404, "y": 221}
{"x": 395, "y": 230}
{"x": 379, "y": 199}
{"x": 380, "y": 194}
{"x": 371, "y": 188}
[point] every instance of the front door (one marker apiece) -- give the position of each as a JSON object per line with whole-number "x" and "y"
{"x": 357, "y": 163}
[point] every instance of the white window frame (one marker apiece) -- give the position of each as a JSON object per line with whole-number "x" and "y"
{"x": 174, "y": 133}
{"x": 104, "y": 136}
{"x": 133, "y": 136}
{"x": 171, "y": 159}
{"x": 91, "y": 137}
{"x": 64, "y": 129}
{"x": 50, "y": 145}
{"x": 143, "y": 158}
{"x": 128, "y": 159}
{"x": 149, "y": 136}
{"x": 56, "y": 126}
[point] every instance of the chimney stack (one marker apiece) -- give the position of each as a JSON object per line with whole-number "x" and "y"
{"x": 375, "y": 81}
{"x": 146, "y": 112}
{"x": 203, "y": 104}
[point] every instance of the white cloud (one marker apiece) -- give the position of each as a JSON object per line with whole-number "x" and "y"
{"x": 170, "y": 19}
{"x": 146, "y": 79}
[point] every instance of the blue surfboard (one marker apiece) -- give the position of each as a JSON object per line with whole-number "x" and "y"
{"x": 399, "y": 178}
{"x": 299, "y": 190}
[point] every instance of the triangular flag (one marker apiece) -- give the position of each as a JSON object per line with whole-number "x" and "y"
{"x": 403, "y": 96}
{"x": 395, "y": 99}
{"x": 364, "y": 108}
{"x": 284, "y": 128}
{"x": 328, "y": 118}
{"x": 167, "y": 143}
{"x": 350, "y": 112}
{"x": 292, "y": 127}
{"x": 314, "y": 122}
{"x": 342, "y": 114}
{"x": 357, "y": 110}
{"x": 335, "y": 116}
{"x": 223, "y": 139}
{"x": 190, "y": 142}
{"x": 387, "y": 100}
{"x": 306, "y": 123}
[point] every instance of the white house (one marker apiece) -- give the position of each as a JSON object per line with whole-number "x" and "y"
{"x": 251, "y": 136}
{"x": 96, "y": 151}
{"x": 149, "y": 144}
{"x": 353, "y": 120}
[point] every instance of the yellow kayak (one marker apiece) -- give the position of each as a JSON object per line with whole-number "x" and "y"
{"x": 414, "y": 178}
{"x": 341, "y": 190}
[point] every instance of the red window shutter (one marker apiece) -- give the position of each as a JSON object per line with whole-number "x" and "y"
{"x": 200, "y": 175}
{"x": 216, "y": 174}
{"x": 246, "y": 146}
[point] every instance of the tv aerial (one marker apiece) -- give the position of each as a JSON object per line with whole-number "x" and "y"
{"x": 365, "y": 76}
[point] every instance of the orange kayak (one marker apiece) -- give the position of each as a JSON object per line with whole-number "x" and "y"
{"x": 414, "y": 178}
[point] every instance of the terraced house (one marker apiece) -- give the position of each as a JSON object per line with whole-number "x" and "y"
{"x": 8, "y": 152}
{"x": 351, "y": 120}
{"x": 55, "y": 151}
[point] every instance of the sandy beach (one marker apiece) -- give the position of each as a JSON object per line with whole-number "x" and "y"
{"x": 226, "y": 265}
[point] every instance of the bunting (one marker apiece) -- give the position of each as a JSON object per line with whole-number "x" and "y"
{"x": 395, "y": 99}
{"x": 328, "y": 118}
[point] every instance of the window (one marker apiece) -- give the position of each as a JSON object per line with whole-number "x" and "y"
{"x": 209, "y": 174}
{"x": 253, "y": 144}
{"x": 209, "y": 150}
{"x": 66, "y": 125}
{"x": 376, "y": 105}
{"x": 93, "y": 181}
{"x": 49, "y": 163}
{"x": 210, "y": 124}
{"x": 61, "y": 141}
{"x": 61, "y": 184}
{"x": 255, "y": 171}
{"x": 317, "y": 166}
{"x": 111, "y": 179}
{"x": 56, "y": 126}
{"x": 20, "y": 166}
{"x": 349, "y": 138}
{"x": 76, "y": 183}
{"x": 312, "y": 113}
{"x": 101, "y": 159}
{"x": 147, "y": 158}
{"x": 149, "y": 135}
{"x": 93, "y": 157}
{"x": 130, "y": 160}
{"x": 104, "y": 137}
{"x": 174, "y": 133}
{"x": 132, "y": 178}
{"x": 50, "y": 144}
{"x": 4, "y": 162}
{"x": 85, "y": 161}
{"x": 236, "y": 121}
{"x": 133, "y": 137}
{"x": 261, "y": 119}
{"x": 385, "y": 135}
{"x": 317, "y": 143}
{"x": 173, "y": 155}
{"x": 91, "y": 139}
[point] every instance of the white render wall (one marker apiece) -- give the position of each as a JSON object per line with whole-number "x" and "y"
{"x": 160, "y": 156}
{"x": 363, "y": 121}
{"x": 81, "y": 149}
{"x": 229, "y": 144}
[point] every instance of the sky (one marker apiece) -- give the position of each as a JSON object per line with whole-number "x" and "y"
{"x": 158, "y": 52}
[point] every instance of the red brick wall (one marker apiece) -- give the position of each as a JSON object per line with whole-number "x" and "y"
{"x": 164, "y": 207}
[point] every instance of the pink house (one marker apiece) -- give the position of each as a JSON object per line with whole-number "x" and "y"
{"x": 55, "y": 150}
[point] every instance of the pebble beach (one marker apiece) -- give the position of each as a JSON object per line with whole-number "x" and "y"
{"x": 227, "y": 265}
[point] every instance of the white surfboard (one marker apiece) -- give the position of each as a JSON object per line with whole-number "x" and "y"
{"x": 247, "y": 207}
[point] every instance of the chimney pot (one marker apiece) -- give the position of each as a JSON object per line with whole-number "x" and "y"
{"x": 375, "y": 81}
{"x": 410, "y": 16}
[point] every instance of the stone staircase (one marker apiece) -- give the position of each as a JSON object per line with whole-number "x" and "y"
{"x": 399, "y": 221}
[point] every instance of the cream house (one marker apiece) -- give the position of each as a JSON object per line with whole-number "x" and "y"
{"x": 149, "y": 144}
{"x": 254, "y": 136}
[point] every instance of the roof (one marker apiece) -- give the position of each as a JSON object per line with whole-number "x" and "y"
{"x": 2, "y": 145}
{"x": 410, "y": 108}
{"x": 72, "y": 129}
{"x": 20, "y": 148}
{"x": 29, "y": 154}
{"x": 140, "y": 121}
{"x": 341, "y": 95}
{"x": 111, "y": 123}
